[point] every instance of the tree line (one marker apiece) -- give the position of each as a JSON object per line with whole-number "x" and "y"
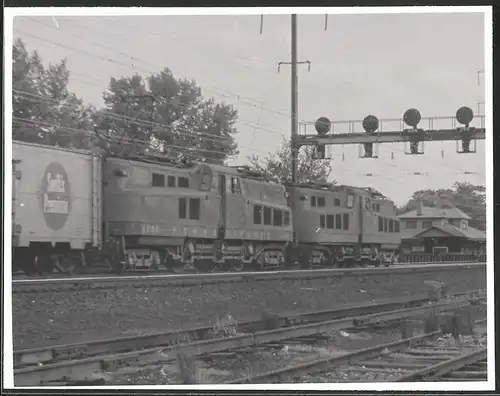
{"x": 164, "y": 115}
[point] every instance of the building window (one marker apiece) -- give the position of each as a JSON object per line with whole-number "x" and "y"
{"x": 463, "y": 224}
{"x": 171, "y": 181}
{"x": 411, "y": 224}
{"x": 286, "y": 218}
{"x": 277, "y": 217}
{"x": 182, "y": 208}
{"x": 345, "y": 221}
{"x": 194, "y": 208}
{"x": 386, "y": 225}
{"x": 336, "y": 201}
{"x": 427, "y": 224}
{"x": 380, "y": 224}
{"x": 183, "y": 182}
{"x": 313, "y": 201}
{"x": 329, "y": 221}
{"x": 396, "y": 225}
{"x": 338, "y": 221}
{"x": 158, "y": 180}
{"x": 257, "y": 214}
{"x": 391, "y": 225}
{"x": 321, "y": 202}
{"x": 322, "y": 221}
{"x": 267, "y": 216}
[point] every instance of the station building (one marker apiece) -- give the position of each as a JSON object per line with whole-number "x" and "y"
{"x": 440, "y": 232}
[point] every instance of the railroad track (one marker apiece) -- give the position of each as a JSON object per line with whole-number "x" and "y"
{"x": 75, "y": 363}
{"x": 61, "y": 284}
{"x": 421, "y": 358}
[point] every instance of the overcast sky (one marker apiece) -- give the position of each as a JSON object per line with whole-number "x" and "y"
{"x": 363, "y": 64}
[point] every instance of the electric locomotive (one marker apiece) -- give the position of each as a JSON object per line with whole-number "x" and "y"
{"x": 194, "y": 216}
{"x": 340, "y": 225}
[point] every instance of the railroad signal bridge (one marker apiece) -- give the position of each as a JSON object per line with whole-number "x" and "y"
{"x": 464, "y": 128}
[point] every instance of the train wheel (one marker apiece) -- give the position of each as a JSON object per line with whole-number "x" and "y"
{"x": 44, "y": 264}
{"x": 204, "y": 265}
{"x": 237, "y": 265}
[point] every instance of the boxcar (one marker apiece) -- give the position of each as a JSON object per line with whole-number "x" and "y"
{"x": 56, "y": 207}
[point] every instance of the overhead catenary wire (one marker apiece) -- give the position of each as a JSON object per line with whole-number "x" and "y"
{"x": 219, "y": 92}
{"x": 182, "y": 149}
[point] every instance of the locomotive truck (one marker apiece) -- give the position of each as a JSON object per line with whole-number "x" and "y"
{"x": 76, "y": 209}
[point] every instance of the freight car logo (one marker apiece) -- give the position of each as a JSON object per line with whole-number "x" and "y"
{"x": 56, "y": 203}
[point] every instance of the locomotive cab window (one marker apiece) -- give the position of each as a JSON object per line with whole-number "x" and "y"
{"x": 171, "y": 181}
{"x": 336, "y": 202}
{"x": 386, "y": 226}
{"x": 257, "y": 214}
{"x": 321, "y": 202}
{"x": 183, "y": 182}
{"x": 286, "y": 218}
{"x": 277, "y": 217}
{"x": 345, "y": 221}
{"x": 182, "y": 208}
{"x": 350, "y": 200}
{"x": 235, "y": 186}
{"x": 338, "y": 221}
{"x": 194, "y": 208}
{"x": 267, "y": 216}
{"x": 158, "y": 180}
{"x": 329, "y": 221}
{"x": 368, "y": 203}
{"x": 206, "y": 182}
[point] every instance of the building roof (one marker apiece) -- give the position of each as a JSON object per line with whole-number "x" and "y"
{"x": 470, "y": 233}
{"x": 435, "y": 213}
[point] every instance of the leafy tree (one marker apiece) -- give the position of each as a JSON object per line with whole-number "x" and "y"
{"x": 278, "y": 166}
{"x": 44, "y": 110}
{"x": 463, "y": 195}
{"x": 165, "y": 114}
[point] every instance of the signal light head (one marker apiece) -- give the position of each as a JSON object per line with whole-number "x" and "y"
{"x": 370, "y": 123}
{"x": 322, "y": 125}
{"x": 412, "y": 117}
{"x": 464, "y": 115}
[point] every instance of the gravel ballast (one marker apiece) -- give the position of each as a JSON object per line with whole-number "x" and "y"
{"x": 59, "y": 317}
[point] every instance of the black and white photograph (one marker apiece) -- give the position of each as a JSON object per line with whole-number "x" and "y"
{"x": 249, "y": 198}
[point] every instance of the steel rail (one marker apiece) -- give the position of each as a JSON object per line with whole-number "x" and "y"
{"x": 287, "y": 374}
{"x": 436, "y": 371}
{"x": 114, "y": 345}
{"x": 431, "y": 373}
{"x": 21, "y": 278}
{"x": 64, "y": 284}
{"x": 88, "y": 368}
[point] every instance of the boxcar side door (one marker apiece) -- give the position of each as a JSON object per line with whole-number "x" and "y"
{"x": 221, "y": 231}
{"x": 16, "y": 176}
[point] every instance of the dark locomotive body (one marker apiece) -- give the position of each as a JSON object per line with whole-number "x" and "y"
{"x": 340, "y": 226}
{"x": 194, "y": 215}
